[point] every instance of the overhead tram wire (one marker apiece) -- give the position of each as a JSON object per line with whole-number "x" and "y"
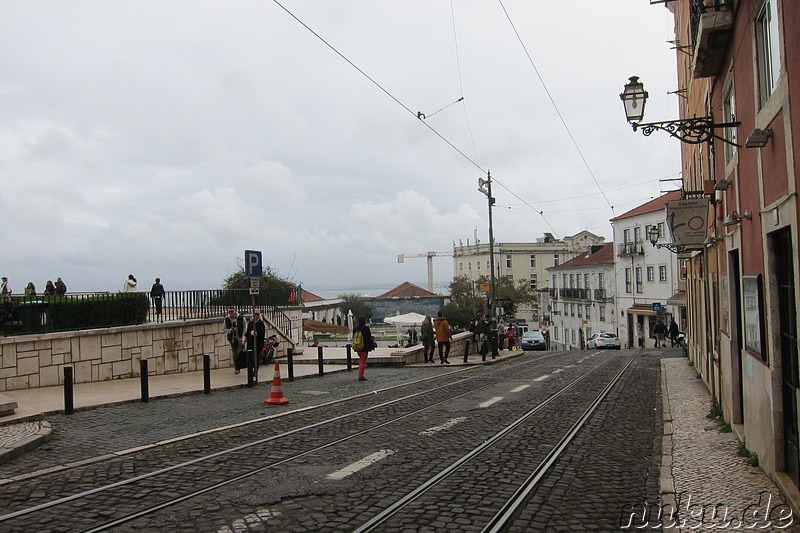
{"x": 552, "y": 101}
{"x": 379, "y": 86}
{"x": 416, "y": 115}
{"x": 460, "y": 81}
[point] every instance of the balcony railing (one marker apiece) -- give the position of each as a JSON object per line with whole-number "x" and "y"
{"x": 554, "y": 294}
{"x": 630, "y": 248}
{"x": 575, "y": 294}
{"x": 600, "y": 295}
{"x": 712, "y": 29}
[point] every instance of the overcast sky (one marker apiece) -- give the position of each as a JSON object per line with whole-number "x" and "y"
{"x": 165, "y": 138}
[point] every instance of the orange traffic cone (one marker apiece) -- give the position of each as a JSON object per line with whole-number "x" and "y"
{"x": 276, "y": 396}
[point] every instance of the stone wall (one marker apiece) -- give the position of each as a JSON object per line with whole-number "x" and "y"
{"x": 30, "y": 361}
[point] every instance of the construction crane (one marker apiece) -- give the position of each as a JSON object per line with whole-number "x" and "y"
{"x": 430, "y": 256}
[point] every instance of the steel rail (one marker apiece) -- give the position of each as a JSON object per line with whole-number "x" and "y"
{"x": 235, "y": 449}
{"x": 384, "y": 515}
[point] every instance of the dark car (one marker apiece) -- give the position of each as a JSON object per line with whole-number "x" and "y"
{"x": 533, "y": 340}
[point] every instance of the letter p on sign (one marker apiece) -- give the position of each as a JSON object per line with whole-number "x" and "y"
{"x": 252, "y": 263}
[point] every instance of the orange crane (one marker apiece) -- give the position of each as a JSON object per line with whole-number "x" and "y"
{"x": 430, "y": 256}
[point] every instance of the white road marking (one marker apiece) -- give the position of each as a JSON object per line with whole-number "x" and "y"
{"x": 520, "y": 388}
{"x": 446, "y": 425}
{"x": 358, "y": 465}
{"x": 558, "y": 370}
{"x": 542, "y": 378}
{"x": 490, "y": 401}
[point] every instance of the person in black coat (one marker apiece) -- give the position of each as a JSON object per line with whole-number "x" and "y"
{"x": 369, "y": 345}
{"x": 673, "y": 333}
{"x": 236, "y": 327}
{"x": 256, "y": 334}
{"x": 157, "y": 294}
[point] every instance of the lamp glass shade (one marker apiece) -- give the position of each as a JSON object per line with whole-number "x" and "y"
{"x": 652, "y": 234}
{"x": 634, "y": 97}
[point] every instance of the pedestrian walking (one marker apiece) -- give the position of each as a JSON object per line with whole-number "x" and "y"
{"x": 673, "y": 333}
{"x": 640, "y": 334}
{"x": 511, "y": 336}
{"x": 428, "y": 339}
{"x": 157, "y": 294}
{"x": 501, "y": 336}
{"x": 367, "y": 344}
{"x": 60, "y": 287}
{"x": 482, "y": 329}
{"x": 130, "y": 284}
{"x": 660, "y": 329}
{"x": 256, "y": 334}
{"x": 236, "y": 327}
{"x": 5, "y": 288}
{"x": 443, "y": 336}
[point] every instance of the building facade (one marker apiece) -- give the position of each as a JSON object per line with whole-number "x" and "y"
{"x": 738, "y": 65}
{"x": 527, "y": 261}
{"x": 581, "y": 298}
{"x": 647, "y": 278}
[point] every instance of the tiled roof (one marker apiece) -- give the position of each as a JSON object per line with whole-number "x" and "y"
{"x": 311, "y": 297}
{"x": 651, "y": 206}
{"x": 406, "y": 290}
{"x": 603, "y": 256}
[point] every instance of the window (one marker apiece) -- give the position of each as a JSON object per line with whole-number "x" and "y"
{"x": 602, "y": 314}
{"x": 651, "y": 273}
{"x": 578, "y": 281}
{"x": 572, "y": 281}
{"x": 555, "y": 280}
{"x": 564, "y": 279}
{"x": 555, "y": 259}
{"x": 534, "y": 281}
{"x": 488, "y": 265}
{"x": 508, "y": 261}
{"x": 573, "y": 336}
{"x": 626, "y": 235}
{"x": 682, "y": 265}
{"x": 571, "y": 309}
{"x": 478, "y": 265}
{"x": 600, "y": 281}
{"x": 637, "y": 234}
{"x": 461, "y": 267}
{"x": 587, "y": 313}
{"x": 662, "y": 273}
{"x": 628, "y": 287}
{"x": 580, "y": 311}
{"x": 661, "y": 230}
{"x": 729, "y": 115}
{"x": 469, "y": 265}
{"x": 533, "y": 261}
{"x": 586, "y": 281}
{"x": 638, "y": 279}
{"x": 555, "y": 333}
{"x": 767, "y": 50}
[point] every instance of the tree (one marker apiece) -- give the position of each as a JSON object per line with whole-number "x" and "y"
{"x": 466, "y": 301}
{"x": 269, "y": 280}
{"x": 511, "y": 295}
{"x": 355, "y": 303}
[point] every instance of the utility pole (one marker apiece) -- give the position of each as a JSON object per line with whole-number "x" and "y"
{"x": 485, "y": 186}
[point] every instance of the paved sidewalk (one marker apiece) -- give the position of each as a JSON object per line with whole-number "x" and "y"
{"x": 701, "y": 469}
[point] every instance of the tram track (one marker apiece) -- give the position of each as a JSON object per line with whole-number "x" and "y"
{"x": 445, "y": 391}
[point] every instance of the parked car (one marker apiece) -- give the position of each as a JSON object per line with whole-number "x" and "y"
{"x": 533, "y": 340}
{"x": 603, "y": 340}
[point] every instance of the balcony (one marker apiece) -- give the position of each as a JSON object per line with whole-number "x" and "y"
{"x": 600, "y": 295}
{"x": 630, "y": 248}
{"x": 712, "y": 28}
{"x": 554, "y": 294}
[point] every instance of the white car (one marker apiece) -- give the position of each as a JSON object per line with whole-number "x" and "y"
{"x": 603, "y": 340}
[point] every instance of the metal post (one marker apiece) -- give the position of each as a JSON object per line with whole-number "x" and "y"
{"x": 69, "y": 405}
{"x": 250, "y": 363}
{"x": 492, "y": 286}
{"x": 320, "y": 361}
{"x": 349, "y": 349}
{"x": 206, "y": 373}
{"x": 466, "y": 351}
{"x": 290, "y": 363}
{"x": 143, "y": 375}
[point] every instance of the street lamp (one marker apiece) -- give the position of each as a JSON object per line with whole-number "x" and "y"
{"x": 653, "y": 234}
{"x": 694, "y": 130}
{"x": 485, "y": 186}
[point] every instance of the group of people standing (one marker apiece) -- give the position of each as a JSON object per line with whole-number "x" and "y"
{"x": 660, "y": 332}
{"x": 248, "y": 340}
{"x": 57, "y": 288}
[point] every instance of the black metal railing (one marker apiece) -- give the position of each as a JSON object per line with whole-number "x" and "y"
{"x": 700, "y": 7}
{"x": 22, "y": 315}
{"x": 630, "y": 248}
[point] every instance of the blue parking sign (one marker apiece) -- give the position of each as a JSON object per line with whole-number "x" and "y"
{"x": 657, "y": 307}
{"x": 252, "y": 263}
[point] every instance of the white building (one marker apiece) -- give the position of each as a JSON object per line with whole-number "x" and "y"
{"x": 647, "y": 278}
{"x": 528, "y": 261}
{"x": 582, "y": 298}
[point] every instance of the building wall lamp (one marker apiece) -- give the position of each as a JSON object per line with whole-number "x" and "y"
{"x": 735, "y": 218}
{"x": 759, "y": 138}
{"x": 694, "y": 130}
{"x": 712, "y": 240}
{"x": 722, "y": 185}
{"x": 673, "y": 247}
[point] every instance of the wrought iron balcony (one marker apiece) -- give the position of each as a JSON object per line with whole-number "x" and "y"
{"x": 630, "y": 248}
{"x": 712, "y": 29}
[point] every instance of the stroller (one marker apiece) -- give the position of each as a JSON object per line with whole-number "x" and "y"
{"x": 268, "y": 352}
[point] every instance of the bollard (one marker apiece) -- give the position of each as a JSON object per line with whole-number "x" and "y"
{"x": 493, "y": 343}
{"x": 290, "y": 363}
{"x": 466, "y": 351}
{"x": 143, "y": 379}
{"x": 206, "y": 373}
{"x": 69, "y": 405}
{"x": 250, "y": 372}
{"x": 483, "y": 352}
{"x": 320, "y": 361}
{"x": 349, "y": 348}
